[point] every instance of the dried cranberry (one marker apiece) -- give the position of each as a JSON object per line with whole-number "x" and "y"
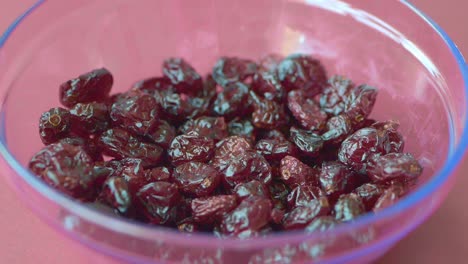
{"x": 251, "y": 215}
{"x": 228, "y": 149}
{"x": 273, "y": 134}
{"x": 358, "y": 147}
{"x": 369, "y": 193}
{"x": 336, "y": 178}
{"x": 212, "y": 209}
{"x": 182, "y": 75}
{"x": 394, "y": 142}
{"x": 267, "y": 84}
{"x": 301, "y": 216}
{"x": 335, "y": 95}
{"x": 150, "y": 85}
{"x": 393, "y": 166}
{"x": 277, "y": 216}
{"x": 267, "y": 114}
{"x": 89, "y": 145}
{"x": 294, "y": 172}
{"x": 348, "y": 207}
{"x": 270, "y": 62}
{"x": 279, "y": 193}
{"x": 196, "y": 179}
{"x": 322, "y": 224}
{"x": 232, "y": 101}
{"x": 306, "y": 111}
{"x": 231, "y": 69}
{"x": 175, "y": 107}
{"x": 190, "y": 147}
{"x": 67, "y": 168}
{"x": 388, "y": 198}
{"x": 91, "y": 117}
{"x": 302, "y": 72}
{"x": 251, "y": 188}
{"x": 116, "y": 193}
{"x": 308, "y": 142}
{"x": 206, "y": 126}
{"x": 54, "y": 125}
{"x": 338, "y": 129}
{"x": 162, "y": 134}
{"x": 243, "y": 128}
{"x": 158, "y": 174}
{"x": 120, "y": 144}
{"x": 360, "y": 103}
{"x": 136, "y": 112}
{"x": 303, "y": 194}
{"x": 275, "y": 150}
{"x": 157, "y": 201}
{"x": 89, "y": 87}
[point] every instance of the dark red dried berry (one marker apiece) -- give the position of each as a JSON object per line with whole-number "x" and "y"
{"x": 190, "y": 147}
{"x": 91, "y": 117}
{"x": 279, "y": 193}
{"x": 273, "y": 134}
{"x": 228, "y": 149}
{"x": 89, "y": 87}
{"x": 307, "y": 142}
{"x": 335, "y": 95}
{"x": 67, "y": 168}
{"x": 322, "y": 224}
{"x": 136, "y": 112}
{"x": 152, "y": 84}
{"x": 294, "y": 172}
{"x": 162, "y": 134}
{"x": 54, "y": 125}
{"x": 267, "y": 84}
{"x": 175, "y": 107}
{"x": 388, "y": 198}
{"x": 360, "y": 103}
{"x": 336, "y": 178}
{"x": 250, "y": 216}
{"x": 394, "y": 142}
{"x": 212, "y": 209}
{"x": 243, "y": 128}
{"x": 348, "y": 207}
{"x": 230, "y": 70}
{"x": 120, "y": 144}
{"x": 196, "y": 179}
{"x": 158, "y": 201}
{"x": 301, "y": 216}
{"x": 358, "y": 147}
{"x": 270, "y": 62}
{"x": 116, "y": 193}
{"x": 89, "y": 145}
{"x": 338, "y": 129}
{"x": 275, "y": 150}
{"x": 306, "y": 111}
{"x": 206, "y": 126}
{"x": 277, "y": 216}
{"x": 302, "y": 72}
{"x": 251, "y": 188}
{"x": 369, "y": 193}
{"x": 394, "y": 166}
{"x": 232, "y": 101}
{"x": 304, "y": 194}
{"x": 182, "y": 75}
{"x": 158, "y": 174}
{"x": 267, "y": 114}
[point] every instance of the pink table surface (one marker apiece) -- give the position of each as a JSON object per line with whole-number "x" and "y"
{"x": 442, "y": 239}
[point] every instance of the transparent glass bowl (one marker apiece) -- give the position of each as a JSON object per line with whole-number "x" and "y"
{"x": 389, "y": 44}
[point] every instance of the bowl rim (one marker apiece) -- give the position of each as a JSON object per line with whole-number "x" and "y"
{"x": 147, "y": 232}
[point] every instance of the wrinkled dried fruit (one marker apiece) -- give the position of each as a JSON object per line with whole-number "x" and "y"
{"x": 231, "y": 69}
{"x": 267, "y": 84}
{"x": 303, "y": 195}
{"x": 322, "y": 224}
{"x": 232, "y": 101}
{"x": 360, "y": 103}
{"x": 306, "y": 111}
{"x": 206, "y": 126}
{"x": 54, "y": 125}
{"x": 301, "y": 216}
{"x": 394, "y": 166}
{"x": 251, "y": 188}
{"x": 182, "y": 75}
{"x": 162, "y": 134}
{"x": 89, "y": 87}
{"x": 212, "y": 209}
{"x": 158, "y": 174}
{"x": 338, "y": 129}
{"x": 243, "y": 128}
{"x": 275, "y": 150}
{"x": 308, "y": 142}
{"x": 369, "y": 193}
{"x": 267, "y": 114}
{"x": 117, "y": 194}
{"x": 389, "y": 197}
{"x": 91, "y": 117}
{"x": 247, "y": 218}
{"x": 302, "y": 72}
{"x": 190, "y": 147}
{"x": 157, "y": 202}
{"x": 196, "y": 179}
{"x": 348, "y": 207}
{"x": 336, "y": 178}
{"x": 335, "y": 96}
{"x": 294, "y": 172}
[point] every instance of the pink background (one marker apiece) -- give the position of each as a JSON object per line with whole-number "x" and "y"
{"x": 442, "y": 239}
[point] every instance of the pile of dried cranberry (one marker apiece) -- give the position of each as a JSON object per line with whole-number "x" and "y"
{"x": 252, "y": 148}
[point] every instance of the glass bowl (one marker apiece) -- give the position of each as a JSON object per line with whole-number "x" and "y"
{"x": 389, "y": 44}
